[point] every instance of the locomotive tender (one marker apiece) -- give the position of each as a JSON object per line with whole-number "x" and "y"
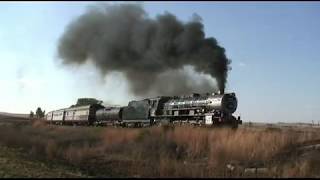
{"x": 198, "y": 109}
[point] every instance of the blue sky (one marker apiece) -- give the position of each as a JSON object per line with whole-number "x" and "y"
{"x": 273, "y": 47}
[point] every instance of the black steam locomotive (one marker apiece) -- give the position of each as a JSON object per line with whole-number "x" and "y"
{"x": 197, "y": 109}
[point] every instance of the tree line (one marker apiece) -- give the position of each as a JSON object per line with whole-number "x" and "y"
{"x": 39, "y": 113}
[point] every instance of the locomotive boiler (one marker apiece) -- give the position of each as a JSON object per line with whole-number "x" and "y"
{"x": 223, "y": 102}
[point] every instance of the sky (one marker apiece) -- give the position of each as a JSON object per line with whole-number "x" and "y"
{"x": 273, "y": 46}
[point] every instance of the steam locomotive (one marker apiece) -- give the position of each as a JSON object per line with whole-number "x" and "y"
{"x": 207, "y": 109}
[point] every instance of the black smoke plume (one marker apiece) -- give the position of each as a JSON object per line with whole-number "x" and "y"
{"x": 123, "y": 38}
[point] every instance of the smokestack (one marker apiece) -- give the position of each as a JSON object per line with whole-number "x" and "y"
{"x": 123, "y": 38}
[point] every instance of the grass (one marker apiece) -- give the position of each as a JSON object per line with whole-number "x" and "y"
{"x": 161, "y": 151}
{"x": 14, "y": 164}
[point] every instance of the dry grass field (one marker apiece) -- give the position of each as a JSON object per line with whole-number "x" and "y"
{"x": 159, "y": 151}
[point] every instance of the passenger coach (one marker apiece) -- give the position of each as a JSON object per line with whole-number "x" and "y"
{"x": 81, "y": 115}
